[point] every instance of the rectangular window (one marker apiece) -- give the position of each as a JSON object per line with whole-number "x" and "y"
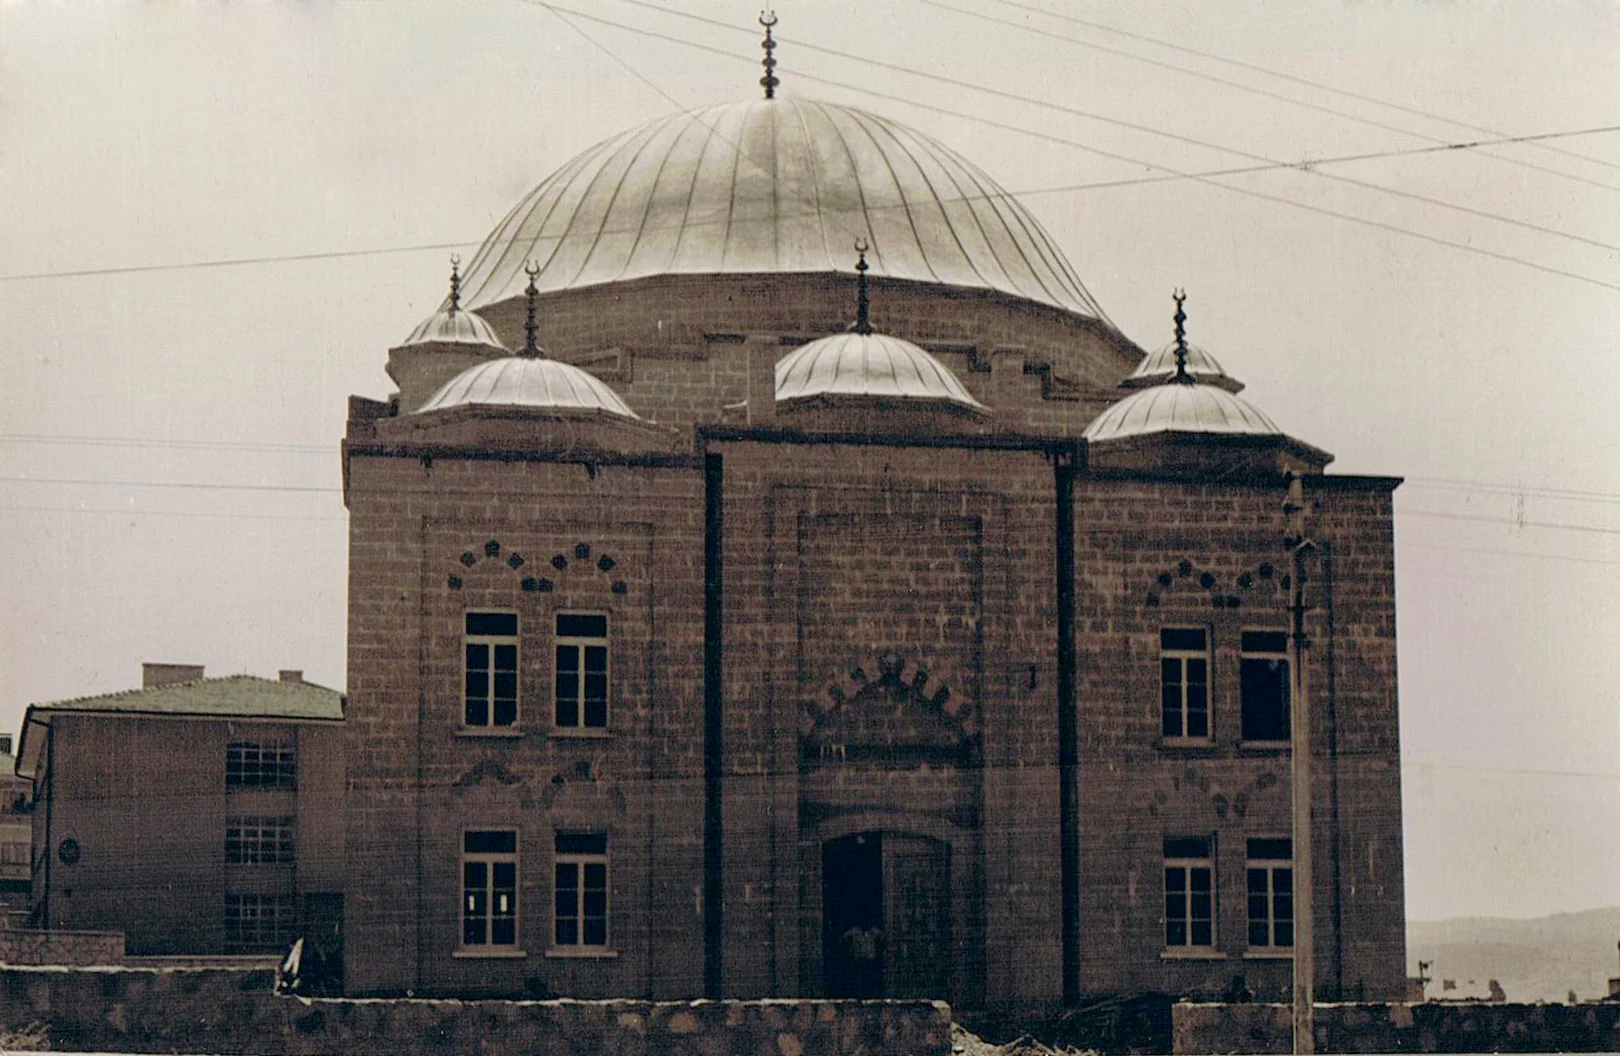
{"x": 260, "y": 923}
{"x": 489, "y": 888}
{"x": 1264, "y": 675}
{"x": 254, "y": 840}
{"x": 490, "y": 647}
{"x": 1184, "y": 682}
{"x": 252, "y": 765}
{"x": 1271, "y": 893}
{"x": 582, "y": 670}
{"x": 581, "y": 891}
{"x": 1189, "y": 893}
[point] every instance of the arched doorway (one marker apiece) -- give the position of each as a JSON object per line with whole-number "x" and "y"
{"x": 886, "y": 916}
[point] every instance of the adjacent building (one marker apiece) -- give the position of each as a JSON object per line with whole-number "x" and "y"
{"x": 16, "y": 831}
{"x": 195, "y": 815}
{"x": 776, "y": 576}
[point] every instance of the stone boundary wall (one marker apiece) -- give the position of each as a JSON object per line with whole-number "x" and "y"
{"x": 120, "y": 1009}
{"x": 1426, "y": 1027}
{"x": 25, "y": 946}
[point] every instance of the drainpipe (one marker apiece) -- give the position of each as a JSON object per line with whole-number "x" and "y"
{"x": 1063, "y": 471}
{"x": 50, "y": 809}
{"x": 713, "y": 728}
{"x": 1304, "y": 1011}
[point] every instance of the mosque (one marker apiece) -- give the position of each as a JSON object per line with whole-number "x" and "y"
{"x": 776, "y": 576}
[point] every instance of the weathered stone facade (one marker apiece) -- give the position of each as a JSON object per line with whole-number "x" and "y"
{"x": 849, "y": 646}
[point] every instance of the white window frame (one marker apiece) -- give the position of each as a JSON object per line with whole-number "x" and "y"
{"x": 1283, "y": 656}
{"x": 1269, "y": 866}
{"x": 1182, "y": 657}
{"x": 491, "y": 642}
{"x": 261, "y": 764}
{"x": 579, "y": 861}
{"x": 1187, "y": 866}
{"x": 259, "y": 922}
{"x": 489, "y": 860}
{"x": 580, "y": 643}
{"x": 259, "y": 839}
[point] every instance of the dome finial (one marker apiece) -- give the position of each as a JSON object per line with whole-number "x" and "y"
{"x": 531, "y": 347}
{"x": 1181, "y": 375}
{"x": 767, "y": 18}
{"x": 863, "y": 300}
{"x": 455, "y": 283}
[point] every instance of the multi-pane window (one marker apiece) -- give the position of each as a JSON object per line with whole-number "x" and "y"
{"x": 489, "y": 888}
{"x": 1264, "y": 676}
{"x": 1184, "y": 681}
{"x": 259, "y": 923}
{"x": 1189, "y": 893}
{"x": 582, "y": 670}
{"x": 256, "y": 840}
{"x": 580, "y": 918}
{"x": 1271, "y": 892}
{"x": 250, "y": 764}
{"x": 491, "y": 687}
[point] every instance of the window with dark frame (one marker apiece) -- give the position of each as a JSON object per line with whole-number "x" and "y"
{"x": 1189, "y": 893}
{"x": 258, "y": 840}
{"x": 1184, "y": 682}
{"x": 490, "y": 689}
{"x": 581, "y": 674}
{"x": 580, "y": 891}
{"x": 1264, "y": 676}
{"x": 260, "y": 923}
{"x": 489, "y": 908}
{"x": 1271, "y": 893}
{"x": 250, "y": 764}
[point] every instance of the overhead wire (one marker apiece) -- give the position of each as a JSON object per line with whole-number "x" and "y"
{"x": 1342, "y": 114}
{"x": 1318, "y": 85}
{"x": 1245, "y": 191}
{"x": 1067, "y": 188}
{"x": 1139, "y": 127}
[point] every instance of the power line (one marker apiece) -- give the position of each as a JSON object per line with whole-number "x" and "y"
{"x": 1261, "y": 91}
{"x": 170, "y": 513}
{"x": 181, "y": 445}
{"x": 1316, "y": 85}
{"x": 1480, "y": 518}
{"x": 1148, "y": 129}
{"x": 1262, "y": 195}
{"x": 201, "y": 486}
{"x": 1168, "y": 177}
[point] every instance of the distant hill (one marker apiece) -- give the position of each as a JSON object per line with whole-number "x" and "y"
{"x": 1541, "y": 959}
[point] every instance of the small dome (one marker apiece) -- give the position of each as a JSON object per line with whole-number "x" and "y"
{"x": 1176, "y": 407}
{"x": 522, "y": 381}
{"x": 876, "y": 365}
{"x": 453, "y": 326}
{"x": 1160, "y": 366}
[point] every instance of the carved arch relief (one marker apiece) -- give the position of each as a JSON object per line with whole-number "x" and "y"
{"x": 1245, "y": 588}
{"x": 889, "y": 706}
{"x": 579, "y": 558}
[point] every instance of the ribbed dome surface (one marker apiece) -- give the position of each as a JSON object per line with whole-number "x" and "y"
{"x": 523, "y": 382}
{"x": 1180, "y": 408}
{"x": 1160, "y": 366}
{"x": 453, "y": 327}
{"x": 782, "y": 185}
{"x": 868, "y": 365}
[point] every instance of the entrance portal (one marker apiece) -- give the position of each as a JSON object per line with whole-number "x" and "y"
{"x": 886, "y": 916}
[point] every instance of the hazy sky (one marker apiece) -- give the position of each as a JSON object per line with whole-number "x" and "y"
{"x": 168, "y": 435}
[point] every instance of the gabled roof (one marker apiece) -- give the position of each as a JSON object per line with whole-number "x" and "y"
{"x": 233, "y": 697}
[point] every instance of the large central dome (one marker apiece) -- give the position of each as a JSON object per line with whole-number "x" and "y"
{"x": 782, "y": 185}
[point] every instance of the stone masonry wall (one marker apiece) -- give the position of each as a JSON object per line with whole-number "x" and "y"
{"x": 1430, "y": 1027}
{"x": 213, "y": 1010}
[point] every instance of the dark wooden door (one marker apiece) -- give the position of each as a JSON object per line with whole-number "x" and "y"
{"x": 917, "y": 917}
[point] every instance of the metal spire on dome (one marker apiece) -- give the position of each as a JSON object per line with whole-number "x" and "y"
{"x": 863, "y": 300}
{"x": 767, "y": 18}
{"x": 1181, "y": 375}
{"x": 455, "y": 283}
{"x": 531, "y": 347}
